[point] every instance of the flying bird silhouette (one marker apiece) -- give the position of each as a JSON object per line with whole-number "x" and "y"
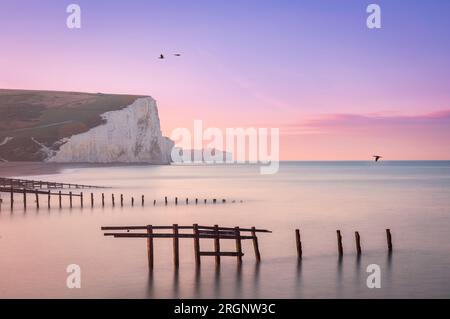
{"x": 177, "y": 54}
{"x": 377, "y": 157}
{"x": 161, "y": 57}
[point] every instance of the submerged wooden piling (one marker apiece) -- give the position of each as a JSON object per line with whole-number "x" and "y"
{"x": 238, "y": 245}
{"x": 70, "y": 199}
{"x": 217, "y": 245}
{"x": 60, "y": 199}
{"x": 187, "y": 201}
{"x": 12, "y": 198}
{"x": 81, "y": 199}
{"x": 154, "y": 202}
{"x": 142, "y": 200}
{"x": 255, "y": 245}
{"x": 132, "y": 201}
{"x": 176, "y": 258}
{"x": 49, "y": 197}
{"x": 121, "y": 200}
{"x": 358, "y": 243}
{"x": 113, "y": 200}
{"x": 36, "y": 193}
{"x": 196, "y": 245}
{"x": 389, "y": 239}
{"x": 150, "y": 247}
{"x": 176, "y": 200}
{"x": 165, "y": 200}
{"x": 339, "y": 240}
{"x": 299, "y": 244}
{"x": 103, "y": 199}
{"x": 24, "y": 198}
{"x": 92, "y": 200}
{"x": 196, "y": 201}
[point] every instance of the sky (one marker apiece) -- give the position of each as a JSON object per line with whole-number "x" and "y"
{"x": 336, "y": 89}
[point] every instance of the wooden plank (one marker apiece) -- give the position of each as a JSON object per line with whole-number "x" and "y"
{"x": 222, "y": 253}
{"x": 202, "y": 236}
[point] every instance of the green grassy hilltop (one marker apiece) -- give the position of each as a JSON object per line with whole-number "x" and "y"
{"x": 33, "y": 120}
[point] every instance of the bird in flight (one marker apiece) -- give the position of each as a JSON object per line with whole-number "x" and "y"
{"x": 161, "y": 56}
{"x": 377, "y": 157}
{"x": 177, "y": 54}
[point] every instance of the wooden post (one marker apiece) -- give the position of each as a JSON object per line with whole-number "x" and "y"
{"x": 255, "y": 245}
{"x": 12, "y": 197}
{"x": 154, "y": 202}
{"x": 176, "y": 258}
{"x": 132, "y": 201}
{"x": 358, "y": 243}
{"x": 196, "y": 201}
{"x": 187, "y": 201}
{"x": 103, "y": 199}
{"x": 389, "y": 239}
{"x": 176, "y": 200}
{"x": 217, "y": 244}
{"x": 24, "y": 198}
{"x": 150, "y": 247}
{"x": 224, "y": 201}
{"x": 299, "y": 244}
{"x": 49, "y": 196}
{"x": 60, "y": 199}
{"x": 70, "y": 199}
{"x": 36, "y": 192}
{"x": 196, "y": 245}
{"x": 81, "y": 199}
{"x": 92, "y": 200}
{"x": 214, "y": 201}
{"x": 238, "y": 245}
{"x": 205, "y": 201}
{"x": 113, "y": 200}
{"x": 165, "y": 200}
{"x": 121, "y": 200}
{"x": 339, "y": 239}
{"x": 142, "y": 200}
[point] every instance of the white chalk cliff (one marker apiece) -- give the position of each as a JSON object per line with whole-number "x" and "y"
{"x": 130, "y": 135}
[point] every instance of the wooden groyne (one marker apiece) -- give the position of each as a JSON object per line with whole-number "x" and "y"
{"x": 34, "y": 184}
{"x": 339, "y": 243}
{"x": 52, "y": 195}
{"x": 198, "y": 233}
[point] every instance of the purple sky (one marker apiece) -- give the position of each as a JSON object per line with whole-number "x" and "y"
{"x": 312, "y": 65}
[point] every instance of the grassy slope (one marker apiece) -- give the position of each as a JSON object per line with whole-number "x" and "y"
{"x": 48, "y": 116}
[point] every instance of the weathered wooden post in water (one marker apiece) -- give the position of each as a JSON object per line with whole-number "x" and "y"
{"x": 70, "y": 199}
{"x": 150, "y": 246}
{"x": 339, "y": 239}
{"x": 121, "y": 200}
{"x": 25, "y": 198}
{"x": 196, "y": 245}
{"x": 60, "y": 199}
{"x": 142, "y": 200}
{"x": 12, "y": 198}
{"x": 176, "y": 258}
{"x": 196, "y": 201}
{"x": 358, "y": 243}
{"x": 154, "y": 202}
{"x": 255, "y": 245}
{"x": 299, "y": 244}
{"x": 238, "y": 245}
{"x": 36, "y": 193}
{"x": 81, "y": 199}
{"x": 132, "y": 201}
{"x": 49, "y": 198}
{"x": 187, "y": 201}
{"x": 217, "y": 244}
{"x": 92, "y": 200}
{"x": 113, "y": 200}
{"x": 176, "y": 200}
{"x": 165, "y": 200}
{"x": 389, "y": 239}
{"x": 103, "y": 199}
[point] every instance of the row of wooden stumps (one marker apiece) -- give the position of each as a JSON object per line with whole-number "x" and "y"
{"x": 198, "y": 232}
{"x": 339, "y": 242}
{"x": 25, "y": 192}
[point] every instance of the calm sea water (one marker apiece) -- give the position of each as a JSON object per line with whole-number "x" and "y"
{"x": 410, "y": 198}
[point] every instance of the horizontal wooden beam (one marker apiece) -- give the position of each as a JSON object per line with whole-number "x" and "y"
{"x": 222, "y": 253}
{"x": 145, "y": 235}
{"x": 183, "y": 227}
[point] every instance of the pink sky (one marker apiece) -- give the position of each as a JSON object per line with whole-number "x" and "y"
{"x": 336, "y": 93}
